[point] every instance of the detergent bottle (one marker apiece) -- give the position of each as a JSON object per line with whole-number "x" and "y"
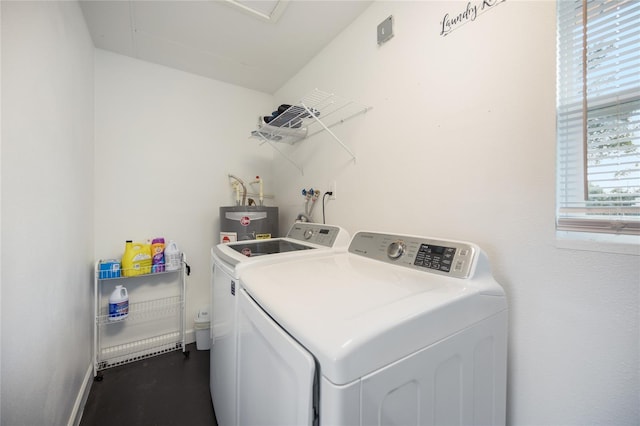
{"x": 118, "y": 304}
{"x": 136, "y": 259}
{"x": 157, "y": 255}
{"x": 172, "y": 256}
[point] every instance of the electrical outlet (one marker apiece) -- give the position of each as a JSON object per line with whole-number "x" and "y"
{"x": 332, "y": 189}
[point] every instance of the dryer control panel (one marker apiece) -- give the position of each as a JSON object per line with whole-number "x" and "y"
{"x": 443, "y": 257}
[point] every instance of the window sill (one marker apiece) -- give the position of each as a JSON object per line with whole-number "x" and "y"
{"x": 604, "y": 243}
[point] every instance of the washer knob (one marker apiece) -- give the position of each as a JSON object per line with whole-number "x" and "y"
{"x": 308, "y": 234}
{"x": 396, "y": 249}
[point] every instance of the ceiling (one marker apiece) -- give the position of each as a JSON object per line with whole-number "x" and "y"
{"x": 255, "y": 44}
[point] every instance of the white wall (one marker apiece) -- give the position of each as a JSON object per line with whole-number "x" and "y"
{"x": 460, "y": 143}
{"x": 165, "y": 142}
{"x": 47, "y": 210}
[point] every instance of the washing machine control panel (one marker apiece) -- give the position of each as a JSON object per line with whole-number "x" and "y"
{"x": 396, "y": 249}
{"x": 450, "y": 258}
{"x": 324, "y": 235}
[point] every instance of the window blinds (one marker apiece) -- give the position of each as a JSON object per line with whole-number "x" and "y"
{"x": 598, "y": 116}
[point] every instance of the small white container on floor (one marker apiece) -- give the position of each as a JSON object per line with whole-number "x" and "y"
{"x": 201, "y": 326}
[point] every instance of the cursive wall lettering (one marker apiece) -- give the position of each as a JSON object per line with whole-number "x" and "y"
{"x": 451, "y": 23}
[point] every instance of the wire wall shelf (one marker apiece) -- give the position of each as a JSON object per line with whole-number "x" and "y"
{"x": 315, "y": 113}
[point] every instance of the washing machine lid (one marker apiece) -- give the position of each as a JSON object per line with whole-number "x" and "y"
{"x": 264, "y": 247}
{"x": 302, "y": 237}
{"x": 356, "y": 314}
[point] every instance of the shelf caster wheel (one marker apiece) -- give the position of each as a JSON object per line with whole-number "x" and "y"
{"x": 98, "y": 377}
{"x": 186, "y": 354}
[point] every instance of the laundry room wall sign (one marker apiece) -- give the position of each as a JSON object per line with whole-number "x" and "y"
{"x": 452, "y": 21}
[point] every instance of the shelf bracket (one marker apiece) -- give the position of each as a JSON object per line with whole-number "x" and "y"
{"x": 281, "y": 153}
{"x": 327, "y": 129}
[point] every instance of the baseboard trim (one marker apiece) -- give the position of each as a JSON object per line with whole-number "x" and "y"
{"x": 189, "y": 336}
{"x": 81, "y": 399}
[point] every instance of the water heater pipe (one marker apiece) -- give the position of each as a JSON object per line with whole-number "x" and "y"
{"x": 244, "y": 188}
{"x": 261, "y": 193}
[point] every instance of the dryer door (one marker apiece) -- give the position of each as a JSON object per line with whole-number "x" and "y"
{"x": 275, "y": 374}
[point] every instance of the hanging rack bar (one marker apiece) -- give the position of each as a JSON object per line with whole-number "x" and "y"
{"x": 341, "y": 121}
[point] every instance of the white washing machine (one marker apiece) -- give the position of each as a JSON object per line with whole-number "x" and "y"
{"x": 228, "y": 263}
{"x": 398, "y": 330}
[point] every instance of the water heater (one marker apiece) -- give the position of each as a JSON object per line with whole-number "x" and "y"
{"x": 239, "y": 223}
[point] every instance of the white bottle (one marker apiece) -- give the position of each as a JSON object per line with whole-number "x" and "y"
{"x": 172, "y": 257}
{"x": 118, "y": 304}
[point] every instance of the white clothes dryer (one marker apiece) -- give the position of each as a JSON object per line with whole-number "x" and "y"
{"x": 228, "y": 263}
{"x": 397, "y": 330}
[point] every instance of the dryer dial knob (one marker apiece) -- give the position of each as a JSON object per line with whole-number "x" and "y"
{"x": 396, "y": 249}
{"x": 308, "y": 234}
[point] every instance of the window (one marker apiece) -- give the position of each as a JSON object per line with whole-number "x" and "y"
{"x": 598, "y": 116}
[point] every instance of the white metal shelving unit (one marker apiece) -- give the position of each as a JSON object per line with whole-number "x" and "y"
{"x": 153, "y": 326}
{"x": 317, "y": 112}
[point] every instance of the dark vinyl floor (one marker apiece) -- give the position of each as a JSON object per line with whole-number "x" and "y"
{"x": 168, "y": 389}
